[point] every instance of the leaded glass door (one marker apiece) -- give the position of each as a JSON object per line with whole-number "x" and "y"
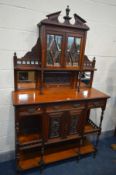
{"x": 73, "y": 51}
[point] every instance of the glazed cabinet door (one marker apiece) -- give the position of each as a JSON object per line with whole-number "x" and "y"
{"x": 74, "y": 49}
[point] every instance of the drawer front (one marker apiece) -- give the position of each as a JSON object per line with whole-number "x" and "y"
{"x": 97, "y": 104}
{"x": 65, "y": 107}
{"x": 29, "y": 110}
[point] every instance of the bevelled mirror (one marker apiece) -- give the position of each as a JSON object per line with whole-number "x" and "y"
{"x": 73, "y": 51}
{"x": 54, "y": 43}
{"x": 26, "y": 79}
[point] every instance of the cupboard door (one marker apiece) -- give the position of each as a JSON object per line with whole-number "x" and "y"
{"x": 73, "y": 50}
{"x": 55, "y": 125}
{"x": 54, "y": 46}
{"x": 77, "y": 122}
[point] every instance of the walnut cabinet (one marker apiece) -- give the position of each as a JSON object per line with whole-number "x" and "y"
{"x": 53, "y": 95}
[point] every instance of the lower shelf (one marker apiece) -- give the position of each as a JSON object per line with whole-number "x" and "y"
{"x": 54, "y": 154}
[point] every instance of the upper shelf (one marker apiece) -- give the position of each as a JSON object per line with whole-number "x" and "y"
{"x": 32, "y": 61}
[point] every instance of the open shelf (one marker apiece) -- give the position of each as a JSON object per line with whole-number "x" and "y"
{"x": 54, "y": 154}
{"x": 90, "y": 127}
{"x": 66, "y": 151}
{"x": 29, "y": 141}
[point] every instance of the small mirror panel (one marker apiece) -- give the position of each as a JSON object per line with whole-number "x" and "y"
{"x": 73, "y": 51}
{"x": 53, "y": 50}
{"x": 85, "y": 79}
{"x": 26, "y": 79}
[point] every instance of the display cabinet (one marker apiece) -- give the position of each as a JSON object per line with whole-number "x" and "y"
{"x": 53, "y": 95}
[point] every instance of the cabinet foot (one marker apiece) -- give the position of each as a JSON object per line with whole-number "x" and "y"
{"x": 95, "y": 153}
{"x": 41, "y": 165}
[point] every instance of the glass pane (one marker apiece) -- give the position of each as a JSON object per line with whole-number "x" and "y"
{"x": 26, "y": 79}
{"x": 73, "y": 51}
{"x": 53, "y": 49}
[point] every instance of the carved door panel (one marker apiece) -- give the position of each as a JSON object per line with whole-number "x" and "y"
{"x": 55, "y": 125}
{"x": 77, "y": 122}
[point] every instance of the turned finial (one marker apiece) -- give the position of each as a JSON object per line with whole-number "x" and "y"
{"x": 67, "y": 11}
{"x": 15, "y": 55}
{"x": 94, "y": 59}
{"x": 67, "y": 17}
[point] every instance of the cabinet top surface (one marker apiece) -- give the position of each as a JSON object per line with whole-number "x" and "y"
{"x": 55, "y": 94}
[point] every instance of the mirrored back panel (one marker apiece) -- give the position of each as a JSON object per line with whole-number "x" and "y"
{"x": 57, "y": 78}
{"x": 26, "y": 80}
{"x": 85, "y": 79}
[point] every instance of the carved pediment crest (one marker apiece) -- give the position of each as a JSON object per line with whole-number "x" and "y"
{"x": 53, "y": 19}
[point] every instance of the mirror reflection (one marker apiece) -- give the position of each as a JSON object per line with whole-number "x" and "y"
{"x": 53, "y": 49}
{"x": 26, "y": 79}
{"x": 85, "y": 79}
{"x": 73, "y": 51}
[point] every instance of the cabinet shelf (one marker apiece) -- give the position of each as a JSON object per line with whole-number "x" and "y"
{"x": 91, "y": 127}
{"x": 66, "y": 153}
{"x": 28, "y": 68}
{"x": 31, "y": 140}
{"x": 54, "y": 154}
{"x": 21, "y": 68}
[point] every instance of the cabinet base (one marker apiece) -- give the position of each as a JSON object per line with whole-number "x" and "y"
{"x": 54, "y": 154}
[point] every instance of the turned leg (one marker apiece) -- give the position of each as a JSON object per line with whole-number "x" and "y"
{"x": 78, "y": 152}
{"x": 79, "y": 81}
{"x": 99, "y": 132}
{"x": 42, "y": 163}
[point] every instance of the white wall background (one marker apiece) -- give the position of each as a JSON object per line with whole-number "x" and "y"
{"x": 18, "y": 33}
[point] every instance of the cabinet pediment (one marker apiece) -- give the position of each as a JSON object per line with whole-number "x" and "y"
{"x": 52, "y": 19}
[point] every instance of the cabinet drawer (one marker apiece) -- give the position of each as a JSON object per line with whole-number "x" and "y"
{"x": 65, "y": 107}
{"x": 29, "y": 110}
{"x": 97, "y": 104}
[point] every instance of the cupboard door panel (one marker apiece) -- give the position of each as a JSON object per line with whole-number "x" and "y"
{"x": 74, "y": 49}
{"x": 77, "y": 122}
{"x": 54, "y": 48}
{"x": 55, "y": 122}
{"x": 73, "y": 124}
